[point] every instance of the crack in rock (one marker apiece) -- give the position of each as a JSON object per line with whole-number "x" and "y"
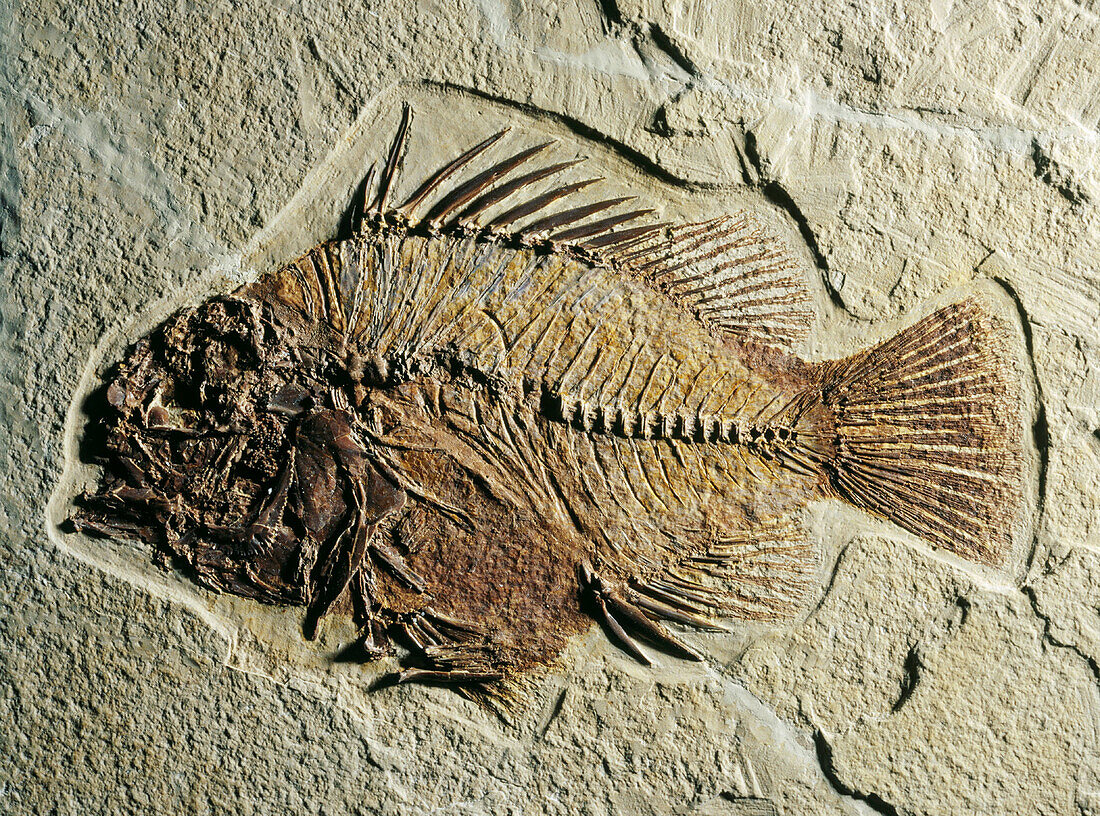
{"x": 828, "y": 768}
{"x": 1032, "y": 596}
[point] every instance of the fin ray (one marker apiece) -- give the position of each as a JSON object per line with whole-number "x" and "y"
{"x": 928, "y": 431}
{"x": 465, "y": 192}
{"x": 730, "y": 275}
{"x": 433, "y": 182}
{"x": 503, "y": 191}
{"x": 397, "y": 154}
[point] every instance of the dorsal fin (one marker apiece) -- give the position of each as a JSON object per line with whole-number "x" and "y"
{"x": 730, "y": 274}
{"x": 727, "y": 272}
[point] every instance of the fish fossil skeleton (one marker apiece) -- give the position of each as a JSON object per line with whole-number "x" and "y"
{"x": 492, "y": 413}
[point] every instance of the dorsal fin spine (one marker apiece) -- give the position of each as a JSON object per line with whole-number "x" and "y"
{"x": 397, "y": 153}
{"x": 445, "y": 172}
{"x": 464, "y": 193}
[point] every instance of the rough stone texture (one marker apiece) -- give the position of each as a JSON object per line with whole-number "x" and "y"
{"x": 153, "y": 155}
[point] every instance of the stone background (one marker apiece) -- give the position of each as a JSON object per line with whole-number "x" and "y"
{"x": 152, "y": 154}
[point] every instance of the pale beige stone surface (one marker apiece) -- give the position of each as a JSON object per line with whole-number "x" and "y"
{"x": 153, "y": 154}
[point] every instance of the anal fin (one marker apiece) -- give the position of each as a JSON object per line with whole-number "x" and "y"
{"x": 762, "y": 573}
{"x": 765, "y": 574}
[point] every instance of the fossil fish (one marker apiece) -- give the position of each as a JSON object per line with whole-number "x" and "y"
{"x": 495, "y": 411}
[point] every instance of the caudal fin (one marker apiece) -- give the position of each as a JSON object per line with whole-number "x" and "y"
{"x": 928, "y": 431}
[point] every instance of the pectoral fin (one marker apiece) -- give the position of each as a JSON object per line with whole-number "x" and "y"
{"x": 371, "y": 497}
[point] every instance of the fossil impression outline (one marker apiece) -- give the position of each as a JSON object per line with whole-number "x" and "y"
{"x": 493, "y": 413}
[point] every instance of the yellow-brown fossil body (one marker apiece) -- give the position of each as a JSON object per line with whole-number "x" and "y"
{"x": 483, "y": 434}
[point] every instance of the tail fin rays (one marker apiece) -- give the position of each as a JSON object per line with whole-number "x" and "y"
{"x": 928, "y": 431}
